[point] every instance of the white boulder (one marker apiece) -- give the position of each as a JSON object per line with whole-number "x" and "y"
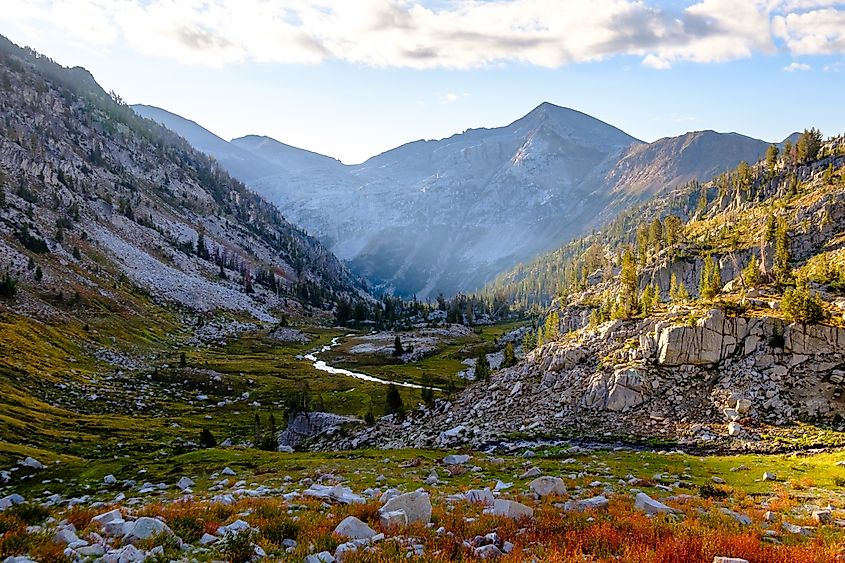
{"x": 545, "y": 486}
{"x": 353, "y": 528}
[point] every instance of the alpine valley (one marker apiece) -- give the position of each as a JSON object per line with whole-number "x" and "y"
{"x": 545, "y": 341}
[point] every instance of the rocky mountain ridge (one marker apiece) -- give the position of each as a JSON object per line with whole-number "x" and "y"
{"x": 426, "y": 217}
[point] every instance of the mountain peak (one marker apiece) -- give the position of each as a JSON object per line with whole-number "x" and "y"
{"x": 571, "y": 123}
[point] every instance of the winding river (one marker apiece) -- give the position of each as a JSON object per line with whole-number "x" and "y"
{"x": 321, "y": 365}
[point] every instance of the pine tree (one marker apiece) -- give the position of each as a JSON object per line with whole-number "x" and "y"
{"x": 808, "y": 145}
{"x": 482, "y": 367}
{"x": 783, "y": 255}
{"x": 800, "y": 305}
{"x": 76, "y": 254}
{"x": 39, "y": 274}
{"x": 394, "y": 400}
{"x": 628, "y": 279}
{"x": 711, "y": 279}
{"x": 771, "y": 228}
{"x": 552, "y": 326}
{"x": 772, "y": 158}
{"x": 8, "y": 286}
{"x": 509, "y": 356}
{"x": 397, "y": 347}
{"x": 751, "y": 273}
{"x": 202, "y": 248}
{"x": 677, "y": 291}
{"x": 427, "y": 393}
{"x": 648, "y": 299}
{"x": 529, "y": 341}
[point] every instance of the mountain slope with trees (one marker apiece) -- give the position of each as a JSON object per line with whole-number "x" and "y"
{"x": 97, "y": 201}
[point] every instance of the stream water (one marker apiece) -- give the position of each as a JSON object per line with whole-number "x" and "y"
{"x": 321, "y": 365}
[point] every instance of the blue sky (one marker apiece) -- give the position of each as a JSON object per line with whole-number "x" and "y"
{"x": 352, "y": 78}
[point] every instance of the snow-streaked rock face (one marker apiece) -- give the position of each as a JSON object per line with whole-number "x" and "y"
{"x": 430, "y": 216}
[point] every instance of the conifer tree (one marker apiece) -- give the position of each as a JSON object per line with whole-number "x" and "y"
{"x": 677, "y": 290}
{"x": 8, "y": 286}
{"x": 529, "y": 341}
{"x": 772, "y": 159}
{"x": 648, "y": 300}
{"x": 711, "y": 279}
{"x": 482, "y": 367}
{"x": 751, "y": 272}
{"x": 783, "y": 254}
{"x": 397, "y": 347}
{"x": 394, "y": 400}
{"x": 628, "y": 279}
{"x": 427, "y": 392}
{"x": 509, "y": 356}
{"x": 800, "y": 305}
{"x": 808, "y": 145}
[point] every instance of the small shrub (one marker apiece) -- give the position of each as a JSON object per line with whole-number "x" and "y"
{"x": 713, "y": 491}
{"x": 278, "y": 530}
{"x": 32, "y": 514}
{"x": 207, "y": 440}
{"x": 189, "y": 528}
{"x": 801, "y": 305}
{"x": 8, "y": 286}
{"x": 238, "y": 547}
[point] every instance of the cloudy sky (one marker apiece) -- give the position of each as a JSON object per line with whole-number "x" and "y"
{"x": 351, "y": 78}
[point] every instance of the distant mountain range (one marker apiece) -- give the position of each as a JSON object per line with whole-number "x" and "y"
{"x": 448, "y": 215}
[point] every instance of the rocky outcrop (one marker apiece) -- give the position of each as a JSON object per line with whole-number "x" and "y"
{"x": 720, "y": 380}
{"x": 303, "y": 426}
{"x": 710, "y": 340}
{"x": 813, "y": 340}
{"x": 620, "y": 391}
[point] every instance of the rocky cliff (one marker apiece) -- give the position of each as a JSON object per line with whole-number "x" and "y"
{"x": 719, "y": 381}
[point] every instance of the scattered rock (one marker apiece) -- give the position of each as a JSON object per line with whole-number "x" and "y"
{"x": 489, "y": 551}
{"x": 145, "y": 528}
{"x": 353, "y": 528}
{"x": 416, "y": 506}
{"x": 511, "y": 509}
{"x": 545, "y": 486}
{"x": 185, "y": 483}
{"x": 532, "y": 472}
{"x": 645, "y": 503}
{"x": 593, "y": 503}
{"x": 822, "y": 516}
{"x": 32, "y": 463}
{"x": 480, "y": 496}
{"x": 795, "y": 529}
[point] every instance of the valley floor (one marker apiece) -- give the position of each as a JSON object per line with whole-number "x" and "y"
{"x": 92, "y": 424}
{"x": 289, "y": 506}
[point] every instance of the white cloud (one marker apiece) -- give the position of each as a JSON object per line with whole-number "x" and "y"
{"x": 455, "y": 34}
{"x": 816, "y": 32}
{"x": 792, "y": 67}
{"x": 449, "y": 98}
